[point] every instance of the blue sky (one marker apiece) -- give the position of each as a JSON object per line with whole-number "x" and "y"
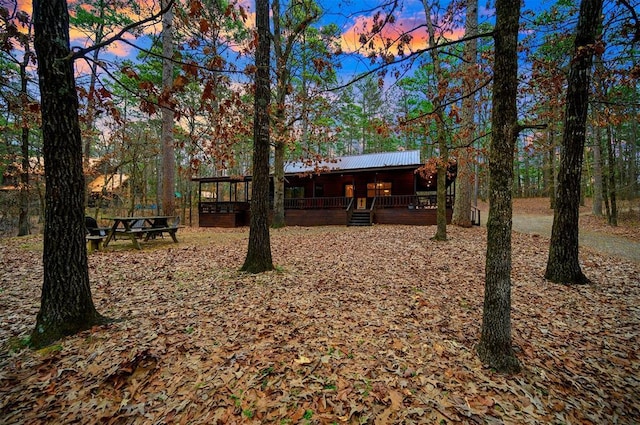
{"x": 353, "y": 17}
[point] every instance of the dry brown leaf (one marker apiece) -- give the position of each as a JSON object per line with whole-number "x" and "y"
{"x": 373, "y": 325}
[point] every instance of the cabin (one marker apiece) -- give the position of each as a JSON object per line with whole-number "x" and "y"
{"x": 380, "y": 188}
{"x": 107, "y": 190}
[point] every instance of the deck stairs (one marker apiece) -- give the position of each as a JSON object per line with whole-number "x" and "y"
{"x": 360, "y": 218}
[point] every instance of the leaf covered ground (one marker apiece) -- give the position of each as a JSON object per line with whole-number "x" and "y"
{"x": 357, "y": 325}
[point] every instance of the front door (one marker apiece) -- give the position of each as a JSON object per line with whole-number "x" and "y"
{"x": 348, "y": 191}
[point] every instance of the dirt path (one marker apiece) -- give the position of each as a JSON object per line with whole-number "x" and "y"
{"x": 617, "y": 246}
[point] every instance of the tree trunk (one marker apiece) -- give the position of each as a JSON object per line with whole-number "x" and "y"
{"x": 517, "y": 186}
{"x": 283, "y": 53}
{"x": 526, "y": 177}
{"x": 441, "y": 136}
{"x": 563, "y": 265}
{"x": 441, "y": 194}
{"x": 598, "y": 183}
{"x": 278, "y": 185}
{"x": 259, "y": 251}
{"x": 596, "y": 207}
{"x": 613, "y": 216}
{"x": 552, "y": 172}
{"x": 66, "y": 304}
{"x": 168, "y": 150}
{"x": 633, "y": 164}
{"x": 495, "y": 348}
{"x": 24, "y": 227}
{"x": 464, "y": 181}
{"x": 280, "y": 126}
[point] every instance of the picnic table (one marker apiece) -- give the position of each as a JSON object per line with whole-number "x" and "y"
{"x": 146, "y": 227}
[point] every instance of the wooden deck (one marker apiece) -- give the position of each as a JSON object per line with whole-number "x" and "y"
{"x": 306, "y": 212}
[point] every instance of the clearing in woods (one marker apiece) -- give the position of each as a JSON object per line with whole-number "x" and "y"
{"x": 357, "y": 325}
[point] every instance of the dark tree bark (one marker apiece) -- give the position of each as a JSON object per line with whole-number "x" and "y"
{"x": 66, "y": 303}
{"x": 596, "y": 208}
{"x": 552, "y": 170}
{"x": 495, "y": 348}
{"x": 259, "y": 252}
{"x": 563, "y": 265}
{"x": 612, "y": 217}
{"x": 168, "y": 151}
{"x": 282, "y": 54}
{"x": 24, "y": 227}
{"x": 441, "y": 133}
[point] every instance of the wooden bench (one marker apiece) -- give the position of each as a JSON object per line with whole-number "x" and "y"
{"x": 95, "y": 235}
{"x": 155, "y": 231}
{"x": 94, "y": 242}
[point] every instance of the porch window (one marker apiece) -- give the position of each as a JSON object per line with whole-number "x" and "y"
{"x": 378, "y": 189}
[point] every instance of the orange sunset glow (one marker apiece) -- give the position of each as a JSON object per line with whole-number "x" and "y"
{"x": 81, "y": 39}
{"x": 387, "y": 41}
{"x": 350, "y": 41}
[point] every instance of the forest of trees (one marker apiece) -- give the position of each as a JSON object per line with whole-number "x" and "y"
{"x": 319, "y": 109}
{"x": 189, "y": 100}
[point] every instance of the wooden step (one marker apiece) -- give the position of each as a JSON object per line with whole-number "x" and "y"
{"x": 360, "y": 218}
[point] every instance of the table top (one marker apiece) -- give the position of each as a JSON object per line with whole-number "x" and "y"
{"x": 148, "y": 217}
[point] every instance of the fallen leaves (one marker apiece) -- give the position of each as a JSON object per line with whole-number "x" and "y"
{"x": 356, "y": 326}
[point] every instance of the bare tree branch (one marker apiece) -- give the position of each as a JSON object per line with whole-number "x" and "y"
{"x": 180, "y": 63}
{"x": 412, "y": 55}
{"x": 451, "y": 102}
{"x": 521, "y": 127}
{"x": 78, "y": 52}
{"x": 634, "y": 15}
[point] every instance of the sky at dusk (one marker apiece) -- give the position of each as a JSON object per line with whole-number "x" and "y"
{"x": 353, "y": 18}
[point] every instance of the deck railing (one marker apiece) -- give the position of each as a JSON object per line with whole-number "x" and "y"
{"x": 395, "y": 201}
{"x": 222, "y": 207}
{"x": 316, "y": 203}
{"x": 411, "y": 201}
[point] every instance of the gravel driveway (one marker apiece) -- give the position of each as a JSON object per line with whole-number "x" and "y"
{"x": 616, "y": 246}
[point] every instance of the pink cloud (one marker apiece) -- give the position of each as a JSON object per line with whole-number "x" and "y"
{"x": 389, "y": 39}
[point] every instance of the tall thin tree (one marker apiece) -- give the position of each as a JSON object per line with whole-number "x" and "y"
{"x": 563, "y": 265}
{"x": 24, "y": 227}
{"x": 167, "y": 139}
{"x": 288, "y": 29}
{"x": 495, "y": 342}
{"x": 462, "y": 207}
{"x": 441, "y": 130}
{"x": 259, "y": 251}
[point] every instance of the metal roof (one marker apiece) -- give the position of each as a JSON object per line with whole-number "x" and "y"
{"x": 358, "y": 162}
